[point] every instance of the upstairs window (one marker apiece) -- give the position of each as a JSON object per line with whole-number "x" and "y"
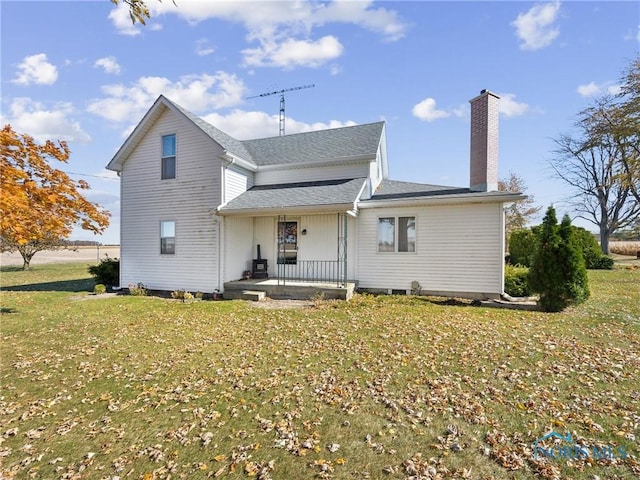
{"x": 168, "y": 237}
{"x": 397, "y": 234}
{"x": 168, "y": 156}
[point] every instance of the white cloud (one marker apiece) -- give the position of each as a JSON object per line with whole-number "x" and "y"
{"x": 462, "y": 111}
{"x": 245, "y": 125}
{"x": 108, "y": 64}
{"x": 593, "y": 89}
{"x": 120, "y": 18}
{"x": 283, "y": 30}
{"x": 203, "y": 47}
{"x": 33, "y": 118}
{"x": 509, "y": 107}
{"x": 633, "y": 35}
{"x": 427, "y": 111}
{"x": 193, "y": 92}
{"x": 536, "y": 28}
{"x": 36, "y": 69}
{"x": 335, "y": 69}
{"x": 589, "y": 90}
{"x": 379, "y": 20}
{"x": 293, "y": 16}
{"x": 292, "y": 53}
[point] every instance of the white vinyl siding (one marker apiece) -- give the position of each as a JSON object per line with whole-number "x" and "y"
{"x": 237, "y": 181}
{"x": 190, "y": 199}
{"x": 460, "y": 250}
{"x": 239, "y": 247}
{"x": 311, "y": 174}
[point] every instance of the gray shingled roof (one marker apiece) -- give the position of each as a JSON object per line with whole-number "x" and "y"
{"x": 338, "y": 144}
{"x": 308, "y": 147}
{"x": 302, "y": 194}
{"x": 224, "y": 140}
{"x": 393, "y": 189}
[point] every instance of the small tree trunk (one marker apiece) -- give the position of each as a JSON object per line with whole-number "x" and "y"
{"x": 26, "y": 259}
{"x": 604, "y": 240}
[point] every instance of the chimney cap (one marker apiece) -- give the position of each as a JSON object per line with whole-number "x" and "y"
{"x": 483, "y": 93}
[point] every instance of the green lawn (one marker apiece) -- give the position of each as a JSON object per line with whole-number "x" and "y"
{"x": 380, "y": 387}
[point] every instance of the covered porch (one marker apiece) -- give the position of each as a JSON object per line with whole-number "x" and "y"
{"x": 302, "y": 233}
{"x": 298, "y": 255}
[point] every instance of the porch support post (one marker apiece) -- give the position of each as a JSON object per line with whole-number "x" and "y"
{"x": 280, "y": 260}
{"x": 342, "y": 250}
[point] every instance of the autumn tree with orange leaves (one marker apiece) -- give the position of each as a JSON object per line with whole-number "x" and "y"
{"x": 40, "y": 204}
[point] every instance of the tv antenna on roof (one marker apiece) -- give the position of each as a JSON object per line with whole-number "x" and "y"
{"x": 281, "y": 93}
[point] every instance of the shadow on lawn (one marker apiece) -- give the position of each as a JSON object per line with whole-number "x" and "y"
{"x": 449, "y": 302}
{"x": 78, "y": 285}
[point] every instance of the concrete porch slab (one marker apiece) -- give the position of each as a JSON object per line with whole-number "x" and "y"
{"x": 291, "y": 290}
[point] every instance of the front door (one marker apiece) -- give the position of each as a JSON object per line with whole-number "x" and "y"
{"x": 287, "y": 241}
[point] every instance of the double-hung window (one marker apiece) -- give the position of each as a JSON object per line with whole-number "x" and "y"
{"x": 397, "y": 234}
{"x": 168, "y": 237}
{"x": 168, "y": 156}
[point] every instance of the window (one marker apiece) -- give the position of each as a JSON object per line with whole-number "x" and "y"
{"x": 168, "y": 237}
{"x": 287, "y": 243}
{"x": 397, "y": 234}
{"x": 168, "y": 156}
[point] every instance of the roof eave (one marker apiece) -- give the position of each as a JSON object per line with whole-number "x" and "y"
{"x": 352, "y": 159}
{"x": 459, "y": 199}
{"x": 234, "y": 159}
{"x": 288, "y": 210}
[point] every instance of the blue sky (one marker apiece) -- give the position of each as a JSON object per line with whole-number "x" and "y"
{"x": 80, "y": 71}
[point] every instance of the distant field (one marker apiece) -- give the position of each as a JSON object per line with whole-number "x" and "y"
{"x": 624, "y": 248}
{"x": 82, "y": 254}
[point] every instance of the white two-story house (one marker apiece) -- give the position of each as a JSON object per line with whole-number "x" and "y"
{"x": 196, "y": 204}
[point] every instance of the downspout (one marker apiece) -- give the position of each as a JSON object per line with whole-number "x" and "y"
{"x": 349, "y": 213}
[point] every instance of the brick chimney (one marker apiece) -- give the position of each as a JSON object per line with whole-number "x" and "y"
{"x": 484, "y": 142}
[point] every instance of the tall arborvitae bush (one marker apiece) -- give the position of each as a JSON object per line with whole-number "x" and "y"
{"x": 573, "y": 263}
{"x": 545, "y": 274}
{"x": 558, "y": 272}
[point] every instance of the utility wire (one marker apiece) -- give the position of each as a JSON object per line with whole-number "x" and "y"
{"x": 88, "y": 175}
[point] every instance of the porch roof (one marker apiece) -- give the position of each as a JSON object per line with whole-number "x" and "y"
{"x": 304, "y": 196}
{"x": 393, "y": 191}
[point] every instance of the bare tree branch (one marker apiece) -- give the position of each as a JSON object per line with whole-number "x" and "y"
{"x": 600, "y": 160}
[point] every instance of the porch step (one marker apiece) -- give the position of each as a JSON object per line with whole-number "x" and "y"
{"x": 252, "y": 295}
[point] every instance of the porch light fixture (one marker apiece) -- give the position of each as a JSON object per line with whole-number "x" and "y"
{"x": 304, "y": 231}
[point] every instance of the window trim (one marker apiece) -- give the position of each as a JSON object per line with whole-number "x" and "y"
{"x": 162, "y": 238}
{"x": 164, "y": 157}
{"x": 396, "y": 234}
